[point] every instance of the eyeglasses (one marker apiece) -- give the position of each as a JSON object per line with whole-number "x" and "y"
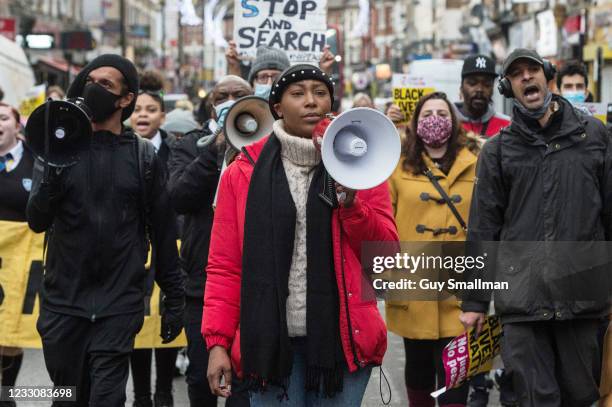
{"x": 265, "y": 77}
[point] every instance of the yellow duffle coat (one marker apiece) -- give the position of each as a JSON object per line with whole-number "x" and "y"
{"x": 429, "y": 319}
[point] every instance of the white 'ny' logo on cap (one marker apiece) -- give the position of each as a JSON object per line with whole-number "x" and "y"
{"x": 481, "y": 63}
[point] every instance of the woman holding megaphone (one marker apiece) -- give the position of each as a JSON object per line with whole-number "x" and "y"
{"x": 436, "y": 158}
{"x": 283, "y": 289}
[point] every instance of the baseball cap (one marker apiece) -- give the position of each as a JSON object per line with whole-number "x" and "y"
{"x": 521, "y": 53}
{"x": 478, "y": 64}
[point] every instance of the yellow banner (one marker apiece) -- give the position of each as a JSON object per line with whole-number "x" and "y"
{"x": 21, "y": 276}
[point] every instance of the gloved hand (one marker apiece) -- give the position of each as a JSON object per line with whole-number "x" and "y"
{"x": 172, "y": 318}
{"x": 50, "y": 191}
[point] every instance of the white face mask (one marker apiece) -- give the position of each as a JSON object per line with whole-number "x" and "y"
{"x": 263, "y": 90}
{"x": 222, "y": 109}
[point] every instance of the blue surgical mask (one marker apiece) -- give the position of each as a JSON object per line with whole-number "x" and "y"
{"x": 222, "y": 109}
{"x": 262, "y": 90}
{"x": 574, "y": 96}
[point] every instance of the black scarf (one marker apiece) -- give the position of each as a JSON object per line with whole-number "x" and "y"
{"x": 269, "y": 233}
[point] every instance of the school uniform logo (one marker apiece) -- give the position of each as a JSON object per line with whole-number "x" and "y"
{"x": 27, "y": 184}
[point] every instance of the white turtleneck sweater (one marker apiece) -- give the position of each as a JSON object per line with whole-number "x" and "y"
{"x": 299, "y": 157}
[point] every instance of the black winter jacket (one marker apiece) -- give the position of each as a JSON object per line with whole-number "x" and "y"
{"x": 534, "y": 187}
{"x": 96, "y": 224}
{"x": 194, "y": 176}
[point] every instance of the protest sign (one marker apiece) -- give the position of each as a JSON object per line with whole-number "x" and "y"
{"x": 468, "y": 354}
{"x": 296, "y": 26}
{"x": 407, "y": 90}
{"x": 33, "y": 98}
{"x": 597, "y": 110}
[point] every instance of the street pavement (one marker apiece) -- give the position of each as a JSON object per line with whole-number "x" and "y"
{"x": 33, "y": 373}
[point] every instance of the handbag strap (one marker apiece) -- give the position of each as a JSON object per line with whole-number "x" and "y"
{"x": 446, "y": 198}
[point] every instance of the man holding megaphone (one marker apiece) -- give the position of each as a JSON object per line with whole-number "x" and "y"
{"x": 99, "y": 215}
{"x": 283, "y": 290}
{"x": 194, "y": 176}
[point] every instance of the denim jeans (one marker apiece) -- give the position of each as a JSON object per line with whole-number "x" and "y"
{"x": 197, "y": 384}
{"x": 353, "y": 388}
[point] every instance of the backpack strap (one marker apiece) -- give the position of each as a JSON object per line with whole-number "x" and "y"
{"x": 446, "y": 198}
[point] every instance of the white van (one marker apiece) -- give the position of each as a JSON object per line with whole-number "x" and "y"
{"x": 16, "y": 75}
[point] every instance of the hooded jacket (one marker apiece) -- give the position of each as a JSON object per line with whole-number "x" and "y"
{"x": 362, "y": 331}
{"x": 97, "y": 248}
{"x": 487, "y": 125}
{"x": 545, "y": 194}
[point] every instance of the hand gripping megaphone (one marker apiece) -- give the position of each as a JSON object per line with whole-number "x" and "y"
{"x": 245, "y": 122}
{"x": 360, "y": 148}
{"x": 57, "y": 129}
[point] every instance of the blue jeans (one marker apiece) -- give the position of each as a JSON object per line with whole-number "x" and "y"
{"x": 353, "y": 388}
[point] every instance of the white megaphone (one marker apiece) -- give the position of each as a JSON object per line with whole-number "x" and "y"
{"x": 247, "y": 121}
{"x": 361, "y": 148}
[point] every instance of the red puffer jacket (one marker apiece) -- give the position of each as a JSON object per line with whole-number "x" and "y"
{"x": 362, "y": 330}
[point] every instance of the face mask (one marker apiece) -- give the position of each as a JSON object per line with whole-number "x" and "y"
{"x": 221, "y": 111}
{"x": 263, "y": 91}
{"x": 574, "y": 97}
{"x": 434, "y": 131}
{"x": 536, "y": 114}
{"x": 100, "y": 102}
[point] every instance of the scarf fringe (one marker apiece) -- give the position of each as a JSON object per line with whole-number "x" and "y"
{"x": 332, "y": 378}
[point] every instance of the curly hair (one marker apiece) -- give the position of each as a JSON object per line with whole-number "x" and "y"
{"x": 413, "y": 147}
{"x": 152, "y": 84}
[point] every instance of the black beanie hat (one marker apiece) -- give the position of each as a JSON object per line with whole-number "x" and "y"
{"x": 123, "y": 65}
{"x": 294, "y": 74}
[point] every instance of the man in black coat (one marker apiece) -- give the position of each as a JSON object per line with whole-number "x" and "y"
{"x": 194, "y": 176}
{"x": 99, "y": 216}
{"x": 544, "y": 192}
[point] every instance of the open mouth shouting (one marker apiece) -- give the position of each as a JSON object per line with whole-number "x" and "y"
{"x": 143, "y": 126}
{"x": 532, "y": 93}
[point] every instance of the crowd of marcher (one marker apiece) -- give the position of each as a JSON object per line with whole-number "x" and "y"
{"x": 268, "y": 283}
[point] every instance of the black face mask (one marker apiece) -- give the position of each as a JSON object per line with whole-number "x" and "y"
{"x": 100, "y": 101}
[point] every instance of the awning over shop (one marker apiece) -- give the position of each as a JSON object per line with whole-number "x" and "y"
{"x": 57, "y": 64}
